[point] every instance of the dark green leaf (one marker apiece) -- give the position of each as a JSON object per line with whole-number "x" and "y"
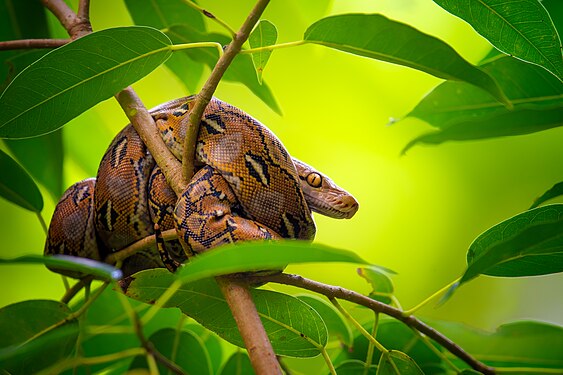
{"x": 380, "y": 281}
{"x": 462, "y": 112}
{"x": 43, "y": 158}
{"x": 182, "y": 348}
{"x": 35, "y": 335}
{"x": 518, "y": 344}
{"x": 293, "y": 327}
{"x": 264, "y": 34}
{"x": 86, "y": 266}
{"x": 241, "y": 69}
{"x": 555, "y": 10}
{"x": 237, "y": 364}
{"x": 555, "y": 191}
{"x": 530, "y": 243}
{"x": 260, "y": 255}
{"x": 397, "y": 363}
{"x": 17, "y": 186}
{"x": 17, "y": 62}
{"x": 69, "y": 80}
{"x": 162, "y": 15}
{"x": 213, "y": 344}
{"x": 521, "y": 28}
{"x": 375, "y": 36}
{"x": 336, "y": 325}
{"x": 355, "y": 367}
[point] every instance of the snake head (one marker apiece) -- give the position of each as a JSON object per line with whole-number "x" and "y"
{"x": 323, "y": 195}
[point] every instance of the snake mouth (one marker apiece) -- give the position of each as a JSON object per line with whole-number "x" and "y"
{"x": 337, "y": 207}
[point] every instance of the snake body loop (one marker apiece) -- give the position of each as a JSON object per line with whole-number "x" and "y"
{"x": 247, "y": 187}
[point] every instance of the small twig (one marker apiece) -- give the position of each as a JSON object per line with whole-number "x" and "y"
{"x": 71, "y": 292}
{"x": 210, "y": 16}
{"x": 255, "y": 339}
{"x": 32, "y": 43}
{"x": 332, "y": 291}
{"x": 84, "y": 9}
{"x": 64, "y": 14}
{"x": 206, "y": 93}
{"x": 144, "y": 243}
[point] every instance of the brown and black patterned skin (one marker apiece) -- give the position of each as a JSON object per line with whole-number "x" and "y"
{"x": 248, "y": 188}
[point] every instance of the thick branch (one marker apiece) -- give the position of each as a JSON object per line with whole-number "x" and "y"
{"x": 331, "y": 291}
{"x": 83, "y": 9}
{"x": 144, "y": 124}
{"x": 75, "y": 26}
{"x": 210, "y": 85}
{"x": 32, "y": 43}
{"x": 256, "y": 341}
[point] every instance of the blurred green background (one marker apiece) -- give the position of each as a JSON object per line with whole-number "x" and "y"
{"x": 418, "y": 213}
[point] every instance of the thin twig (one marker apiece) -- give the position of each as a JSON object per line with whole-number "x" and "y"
{"x": 142, "y": 244}
{"x": 83, "y": 9}
{"x": 210, "y": 16}
{"x": 64, "y": 14}
{"x": 32, "y": 43}
{"x": 206, "y": 93}
{"x": 71, "y": 292}
{"x": 332, "y": 291}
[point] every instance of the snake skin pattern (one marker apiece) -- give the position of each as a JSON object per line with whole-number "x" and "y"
{"x": 247, "y": 187}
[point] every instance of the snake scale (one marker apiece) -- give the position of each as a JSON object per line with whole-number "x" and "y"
{"x": 247, "y": 187}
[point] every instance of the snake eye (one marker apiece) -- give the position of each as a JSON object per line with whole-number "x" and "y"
{"x": 314, "y": 179}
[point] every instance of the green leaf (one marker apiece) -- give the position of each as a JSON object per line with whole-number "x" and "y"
{"x": 518, "y": 344}
{"x": 264, "y": 34}
{"x": 237, "y": 364}
{"x": 336, "y": 325}
{"x": 43, "y": 158}
{"x": 528, "y": 244}
{"x": 355, "y": 367}
{"x": 555, "y": 10}
{"x": 462, "y": 112}
{"x": 213, "y": 344}
{"x": 397, "y": 363}
{"x": 35, "y": 335}
{"x": 162, "y": 15}
{"x": 377, "y": 37}
{"x": 241, "y": 69}
{"x": 293, "y": 327}
{"x": 258, "y": 256}
{"x": 17, "y": 186}
{"x": 69, "y": 80}
{"x": 86, "y": 266}
{"x": 521, "y": 28}
{"x": 182, "y": 348}
{"x": 555, "y": 191}
{"x": 380, "y": 282}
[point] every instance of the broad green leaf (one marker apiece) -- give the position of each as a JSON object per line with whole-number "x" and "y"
{"x": 162, "y": 15}
{"x": 555, "y": 10}
{"x": 182, "y": 348}
{"x": 397, "y": 363}
{"x": 17, "y": 186}
{"x": 43, "y": 158}
{"x": 377, "y": 37}
{"x": 555, "y": 191}
{"x": 213, "y": 344}
{"x": 241, "y": 69}
{"x": 355, "y": 367}
{"x": 67, "y": 81}
{"x": 518, "y": 344}
{"x": 258, "y": 256}
{"x": 237, "y": 364}
{"x": 35, "y": 335}
{"x": 462, "y": 112}
{"x": 264, "y": 34}
{"x": 336, "y": 325}
{"x": 528, "y": 244}
{"x": 86, "y": 266}
{"x": 394, "y": 335}
{"x": 293, "y": 327}
{"x": 521, "y": 28}
{"x": 380, "y": 281}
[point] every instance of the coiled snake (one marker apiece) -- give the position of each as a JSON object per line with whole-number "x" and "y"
{"x": 247, "y": 187}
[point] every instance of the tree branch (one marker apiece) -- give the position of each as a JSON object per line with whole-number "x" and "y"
{"x": 83, "y": 10}
{"x": 332, "y": 291}
{"x": 32, "y": 43}
{"x": 256, "y": 341}
{"x": 210, "y": 85}
{"x": 73, "y": 24}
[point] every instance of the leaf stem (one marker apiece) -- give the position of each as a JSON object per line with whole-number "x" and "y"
{"x": 161, "y": 301}
{"x": 183, "y": 46}
{"x": 369, "y": 356}
{"x": 358, "y": 326}
{"x": 42, "y": 221}
{"x": 274, "y": 46}
{"x": 326, "y": 357}
{"x": 427, "y": 300}
{"x": 211, "y": 16}
{"x": 528, "y": 370}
